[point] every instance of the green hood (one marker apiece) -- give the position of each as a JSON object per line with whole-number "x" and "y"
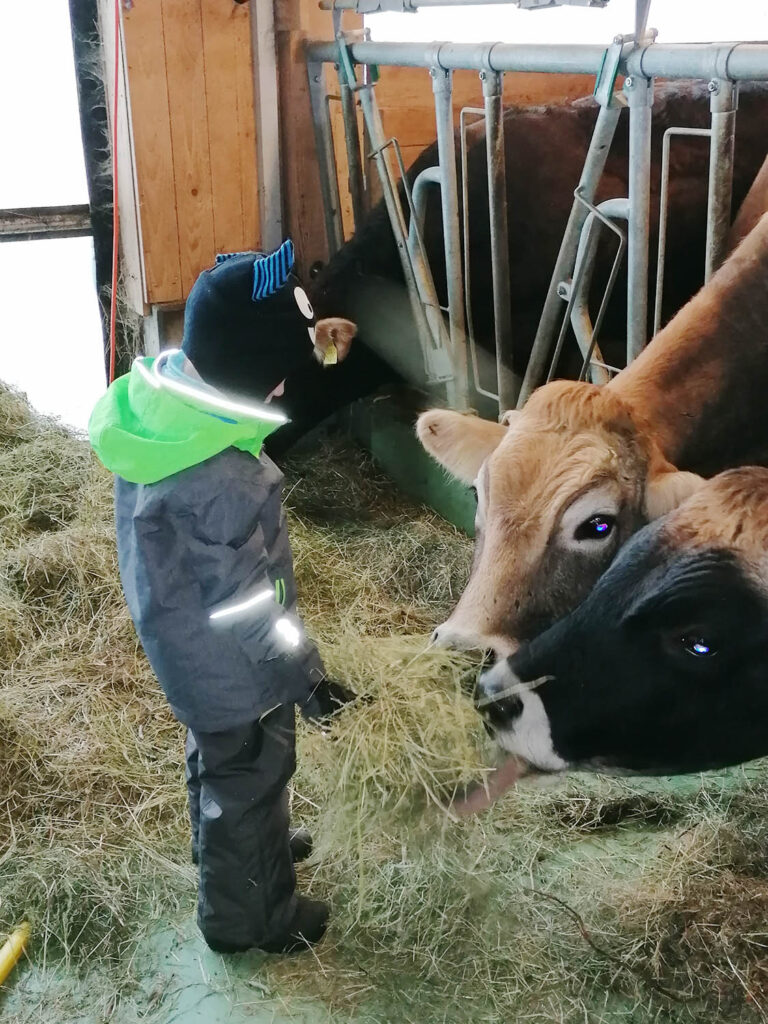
{"x": 145, "y": 433}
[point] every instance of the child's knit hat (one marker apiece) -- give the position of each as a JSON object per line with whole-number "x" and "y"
{"x": 248, "y": 323}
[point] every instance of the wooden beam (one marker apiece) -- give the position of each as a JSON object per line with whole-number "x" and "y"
{"x": 25, "y": 224}
{"x": 185, "y": 69}
{"x": 94, "y": 130}
{"x": 246, "y": 126}
{"x": 295, "y": 21}
{"x": 220, "y": 61}
{"x": 131, "y": 263}
{"x": 267, "y": 113}
{"x": 151, "y": 135}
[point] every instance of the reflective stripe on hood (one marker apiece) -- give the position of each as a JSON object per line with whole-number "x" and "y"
{"x": 147, "y": 427}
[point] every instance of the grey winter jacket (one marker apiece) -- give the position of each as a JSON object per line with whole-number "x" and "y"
{"x": 211, "y": 539}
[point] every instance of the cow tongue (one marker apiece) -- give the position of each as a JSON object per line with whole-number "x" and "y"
{"x": 480, "y": 796}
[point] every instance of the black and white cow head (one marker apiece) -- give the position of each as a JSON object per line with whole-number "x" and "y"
{"x": 664, "y": 667}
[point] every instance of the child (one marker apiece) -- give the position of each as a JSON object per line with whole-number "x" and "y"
{"x": 207, "y": 573}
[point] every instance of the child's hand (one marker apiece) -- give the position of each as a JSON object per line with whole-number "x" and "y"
{"x": 327, "y": 698}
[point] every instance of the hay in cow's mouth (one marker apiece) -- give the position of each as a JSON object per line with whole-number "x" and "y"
{"x": 622, "y": 900}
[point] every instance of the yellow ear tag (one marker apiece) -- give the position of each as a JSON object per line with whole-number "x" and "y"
{"x": 331, "y": 356}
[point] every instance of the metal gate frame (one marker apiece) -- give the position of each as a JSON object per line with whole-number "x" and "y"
{"x": 722, "y": 65}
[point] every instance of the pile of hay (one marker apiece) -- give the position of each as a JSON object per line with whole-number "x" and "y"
{"x": 91, "y": 798}
{"x": 585, "y": 900}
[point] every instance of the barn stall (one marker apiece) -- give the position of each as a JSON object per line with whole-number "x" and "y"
{"x": 586, "y": 899}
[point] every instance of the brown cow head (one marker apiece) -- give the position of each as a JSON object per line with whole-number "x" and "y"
{"x": 560, "y": 487}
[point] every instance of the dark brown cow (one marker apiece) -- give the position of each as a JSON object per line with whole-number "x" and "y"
{"x": 545, "y": 150}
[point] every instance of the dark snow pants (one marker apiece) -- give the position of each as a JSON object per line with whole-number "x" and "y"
{"x": 240, "y": 828}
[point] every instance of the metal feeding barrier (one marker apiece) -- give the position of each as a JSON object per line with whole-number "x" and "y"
{"x": 447, "y": 335}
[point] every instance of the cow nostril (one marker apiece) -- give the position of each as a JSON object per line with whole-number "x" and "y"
{"x": 435, "y": 636}
{"x": 500, "y": 714}
{"x": 498, "y": 706}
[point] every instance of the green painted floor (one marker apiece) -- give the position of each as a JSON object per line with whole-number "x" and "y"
{"x": 175, "y": 979}
{"x": 180, "y": 982}
{"x": 384, "y": 427}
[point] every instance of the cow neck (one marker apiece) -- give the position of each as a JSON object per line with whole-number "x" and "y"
{"x": 702, "y": 381}
{"x": 752, "y": 209}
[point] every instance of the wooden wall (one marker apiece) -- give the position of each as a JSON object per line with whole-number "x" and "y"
{"x": 408, "y": 112}
{"x": 295, "y": 22}
{"x": 188, "y": 147}
{"x": 192, "y": 118}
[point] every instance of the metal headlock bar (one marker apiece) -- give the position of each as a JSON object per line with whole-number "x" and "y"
{"x": 609, "y": 211}
{"x": 479, "y": 114}
{"x": 738, "y": 62}
{"x": 663, "y": 204}
{"x": 447, "y": 345}
{"x": 411, "y": 6}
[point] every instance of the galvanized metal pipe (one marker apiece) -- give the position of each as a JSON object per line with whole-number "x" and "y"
{"x": 380, "y": 155}
{"x": 581, "y": 321}
{"x": 571, "y": 291}
{"x": 450, "y": 56}
{"x": 733, "y": 61}
{"x": 642, "y": 7}
{"x": 354, "y": 160}
{"x": 508, "y": 381}
{"x": 639, "y": 92}
{"x": 329, "y": 180}
{"x": 442, "y": 87}
{"x": 409, "y": 6}
{"x": 661, "y": 257}
{"x": 477, "y": 377}
{"x": 602, "y": 137}
{"x": 738, "y": 62}
{"x": 723, "y": 106}
{"x": 426, "y": 179}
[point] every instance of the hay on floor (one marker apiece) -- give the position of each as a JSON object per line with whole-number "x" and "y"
{"x": 587, "y": 900}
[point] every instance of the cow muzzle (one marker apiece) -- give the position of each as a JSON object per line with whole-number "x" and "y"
{"x": 497, "y": 697}
{"x": 515, "y": 715}
{"x": 453, "y": 637}
{"x": 447, "y": 636}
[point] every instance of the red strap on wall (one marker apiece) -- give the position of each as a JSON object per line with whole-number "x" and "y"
{"x": 115, "y": 213}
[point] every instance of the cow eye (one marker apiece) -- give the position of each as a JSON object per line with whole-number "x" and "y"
{"x": 302, "y": 301}
{"x": 597, "y": 527}
{"x": 697, "y": 646}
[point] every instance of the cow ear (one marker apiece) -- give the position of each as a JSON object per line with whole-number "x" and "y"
{"x": 459, "y": 442}
{"x": 668, "y": 489}
{"x": 334, "y": 334}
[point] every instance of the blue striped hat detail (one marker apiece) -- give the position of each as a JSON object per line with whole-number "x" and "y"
{"x": 222, "y": 257}
{"x": 271, "y": 272}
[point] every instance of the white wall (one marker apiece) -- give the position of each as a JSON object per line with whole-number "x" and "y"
{"x": 50, "y": 337}
{"x": 677, "y": 20}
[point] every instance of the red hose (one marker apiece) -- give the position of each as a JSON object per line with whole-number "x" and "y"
{"x": 115, "y": 214}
